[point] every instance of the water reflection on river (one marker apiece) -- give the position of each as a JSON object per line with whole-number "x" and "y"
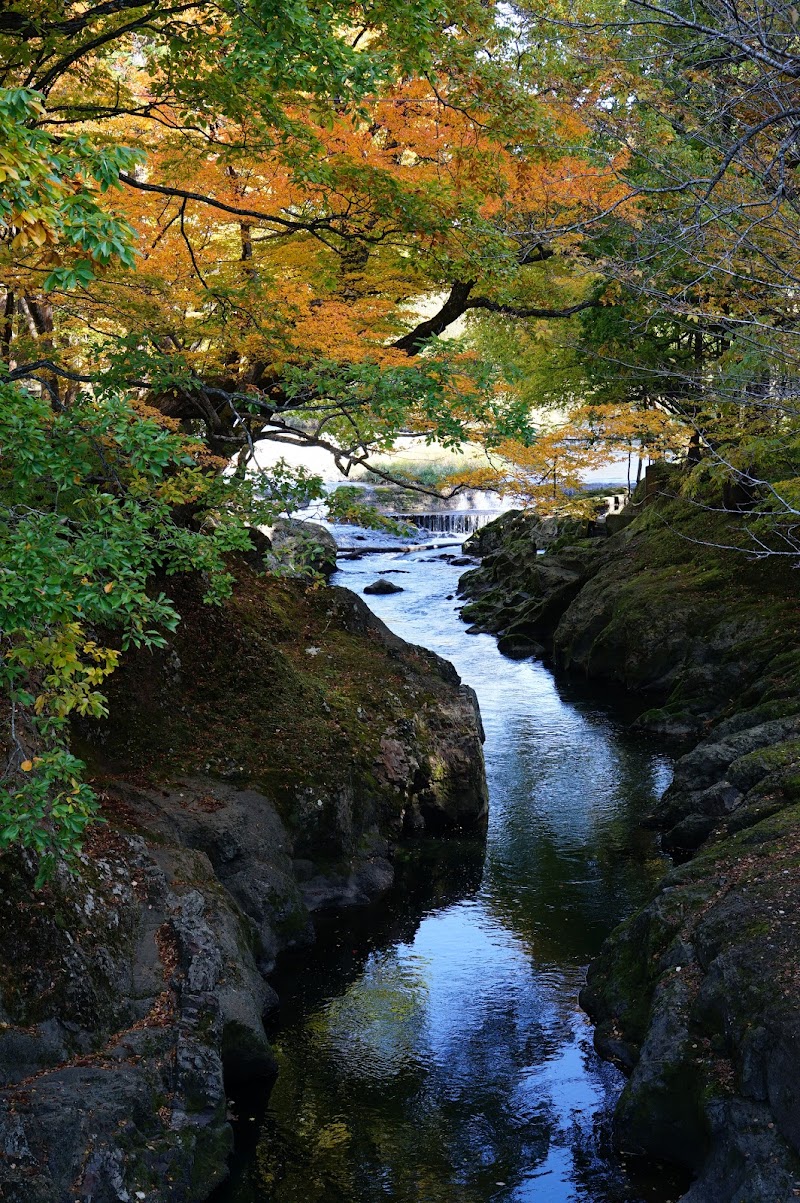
{"x": 433, "y": 1050}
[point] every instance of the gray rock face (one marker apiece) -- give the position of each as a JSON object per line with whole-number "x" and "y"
{"x": 247, "y": 846}
{"x": 513, "y": 524}
{"x": 137, "y": 1099}
{"x": 725, "y": 785}
{"x": 334, "y": 892}
{"x": 491, "y": 537}
{"x": 517, "y": 592}
{"x": 130, "y": 994}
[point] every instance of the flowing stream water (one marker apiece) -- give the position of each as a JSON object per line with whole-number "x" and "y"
{"x": 431, "y": 1048}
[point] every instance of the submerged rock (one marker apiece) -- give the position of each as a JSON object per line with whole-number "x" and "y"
{"x": 520, "y": 647}
{"x": 383, "y": 586}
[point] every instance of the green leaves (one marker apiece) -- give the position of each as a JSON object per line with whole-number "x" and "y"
{"x": 447, "y": 394}
{"x": 92, "y": 499}
{"x": 52, "y": 799}
{"x": 49, "y": 189}
{"x": 346, "y": 504}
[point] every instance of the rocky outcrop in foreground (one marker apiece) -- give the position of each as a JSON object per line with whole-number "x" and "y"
{"x": 257, "y": 770}
{"x": 696, "y": 996}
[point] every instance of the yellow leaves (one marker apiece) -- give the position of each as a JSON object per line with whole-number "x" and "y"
{"x": 190, "y": 485}
{"x": 478, "y": 476}
{"x": 465, "y": 386}
{"x": 153, "y": 414}
{"x": 32, "y": 226}
{"x": 549, "y": 474}
{"x": 651, "y": 431}
{"x": 108, "y": 587}
{"x": 39, "y": 234}
{"x": 107, "y": 656}
{"x": 69, "y": 668}
{"x": 19, "y": 241}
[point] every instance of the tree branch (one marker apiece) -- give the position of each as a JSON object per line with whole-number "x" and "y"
{"x": 453, "y": 308}
{"x": 531, "y": 310}
{"x": 311, "y": 227}
{"x": 110, "y": 35}
{"x": 28, "y": 27}
{"x": 459, "y": 302}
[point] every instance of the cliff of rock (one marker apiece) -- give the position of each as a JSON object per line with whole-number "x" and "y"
{"x": 695, "y": 996}
{"x": 258, "y": 769}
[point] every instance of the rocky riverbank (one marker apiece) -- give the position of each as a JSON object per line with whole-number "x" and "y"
{"x": 695, "y": 997}
{"x": 257, "y": 770}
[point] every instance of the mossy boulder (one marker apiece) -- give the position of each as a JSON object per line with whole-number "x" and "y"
{"x": 301, "y": 548}
{"x": 699, "y": 992}
{"x": 297, "y": 692}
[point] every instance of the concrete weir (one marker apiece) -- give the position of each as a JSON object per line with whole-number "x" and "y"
{"x": 451, "y": 522}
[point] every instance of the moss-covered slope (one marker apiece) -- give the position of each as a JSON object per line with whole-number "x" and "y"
{"x": 696, "y": 997}
{"x": 303, "y": 693}
{"x": 663, "y": 607}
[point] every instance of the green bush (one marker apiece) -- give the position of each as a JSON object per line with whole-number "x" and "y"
{"x": 96, "y": 499}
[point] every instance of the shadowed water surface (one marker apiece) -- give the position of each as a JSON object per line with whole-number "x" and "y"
{"x": 432, "y": 1049}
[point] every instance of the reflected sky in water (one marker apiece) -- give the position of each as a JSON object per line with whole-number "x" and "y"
{"x": 433, "y": 1051}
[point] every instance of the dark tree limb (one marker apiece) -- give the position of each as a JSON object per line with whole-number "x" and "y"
{"x": 288, "y": 224}
{"x": 28, "y": 27}
{"x": 453, "y": 308}
{"x": 57, "y": 70}
{"x": 460, "y": 302}
{"x": 532, "y": 311}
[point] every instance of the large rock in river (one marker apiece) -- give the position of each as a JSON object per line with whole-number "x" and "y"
{"x": 382, "y": 586}
{"x": 302, "y": 548}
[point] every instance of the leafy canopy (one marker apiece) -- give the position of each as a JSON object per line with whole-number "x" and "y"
{"x": 216, "y": 223}
{"x": 223, "y": 223}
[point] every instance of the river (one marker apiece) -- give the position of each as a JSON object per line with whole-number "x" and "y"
{"x": 432, "y": 1049}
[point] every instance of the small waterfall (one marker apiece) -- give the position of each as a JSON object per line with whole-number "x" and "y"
{"x": 450, "y": 522}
